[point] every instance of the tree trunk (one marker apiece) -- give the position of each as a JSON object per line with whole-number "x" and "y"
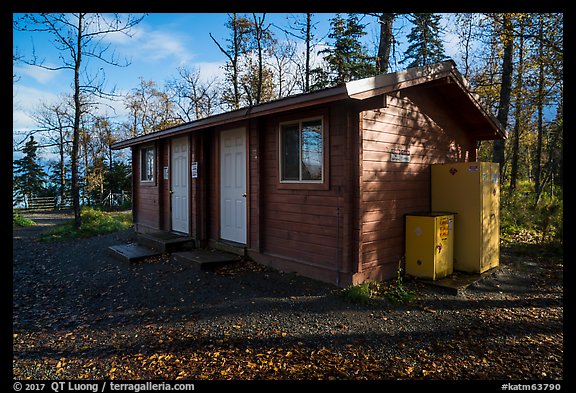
{"x": 76, "y": 131}
{"x": 308, "y": 38}
{"x": 235, "y": 63}
{"x": 386, "y": 21}
{"x": 505, "y": 88}
{"x": 518, "y": 115}
{"x": 62, "y": 162}
{"x": 259, "y": 35}
{"x": 540, "y": 126}
{"x": 85, "y": 148}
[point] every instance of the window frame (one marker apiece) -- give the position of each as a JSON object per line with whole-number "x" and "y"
{"x": 322, "y": 184}
{"x": 143, "y": 150}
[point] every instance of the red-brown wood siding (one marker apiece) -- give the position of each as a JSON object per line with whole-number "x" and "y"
{"x": 213, "y": 187}
{"x": 305, "y": 224}
{"x": 164, "y": 185}
{"x": 197, "y": 188}
{"x": 389, "y": 189}
{"x": 135, "y": 153}
{"x": 255, "y": 194}
{"x": 147, "y": 198}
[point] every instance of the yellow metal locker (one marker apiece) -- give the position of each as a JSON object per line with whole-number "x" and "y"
{"x": 429, "y": 244}
{"x": 472, "y": 190}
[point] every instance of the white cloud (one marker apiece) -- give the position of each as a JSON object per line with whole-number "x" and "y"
{"x": 26, "y": 101}
{"x": 40, "y": 75}
{"x": 153, "y": 45}
{"x": 161, "y": 45}
{"x": 22, "y": 121}
{"x": 210, "y": 70}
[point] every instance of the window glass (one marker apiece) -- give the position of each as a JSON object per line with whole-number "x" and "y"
{"x": 301, "y": 151}
{"x": 147, "y": 163}
{"x": 290, "y": 152}
{"x": 312, "y": 150}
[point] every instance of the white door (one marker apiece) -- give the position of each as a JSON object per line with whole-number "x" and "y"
{"x": 179, "y": 184}
{"x": 233, "y": 185}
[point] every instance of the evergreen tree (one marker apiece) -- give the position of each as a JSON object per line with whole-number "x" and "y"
{"x": 28, "y": 180}
{"x": 118, "y": 178}
{"x": 59, "y": 181}
{"x": 424, "y": 38}
{"x": 348, "y": 59}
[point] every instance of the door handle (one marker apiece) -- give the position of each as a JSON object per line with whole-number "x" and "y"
{"x": 171, "y": 192}
{"x": 244, "y": 195}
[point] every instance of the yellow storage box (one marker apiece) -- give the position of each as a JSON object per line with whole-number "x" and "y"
{"x": 429, "y": 244}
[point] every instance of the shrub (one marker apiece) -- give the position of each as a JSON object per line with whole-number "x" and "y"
{"x": 397, "y": 292}
{"x": 367, "y": 292}
{"x": 525, "y": 220}
{"x": 18, "y": 220}
{"x": 360, "y": 293}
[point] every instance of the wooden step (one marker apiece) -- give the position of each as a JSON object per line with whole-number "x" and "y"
{"x": 458, "y": 282}
{"x": 132, "y": 252}
{"x": 201, "y": 259}
{"x": 165, "y": 241}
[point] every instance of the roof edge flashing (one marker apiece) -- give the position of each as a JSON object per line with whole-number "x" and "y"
{"x": 361, "y": 88}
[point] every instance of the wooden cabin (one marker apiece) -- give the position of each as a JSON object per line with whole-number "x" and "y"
{"x": 316, "y": 183}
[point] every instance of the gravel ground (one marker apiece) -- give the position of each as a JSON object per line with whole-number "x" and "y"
{"x": 80, "y": 313}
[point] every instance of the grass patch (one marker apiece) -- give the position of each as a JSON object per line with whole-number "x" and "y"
{"x": 360, "y": 293}
{"x": 19, "y": 221}
{"x": 94, "y": 222}
{"x": 368, "y": 292}
{"x": 398, "y": 293}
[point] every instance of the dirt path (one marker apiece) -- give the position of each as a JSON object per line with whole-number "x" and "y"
{"x": 80, "y": 313}
{"x": 44, "y": 220}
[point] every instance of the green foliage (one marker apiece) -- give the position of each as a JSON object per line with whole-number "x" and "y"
{"x": 360, "y": 293}
{"x": 424, "y": 38}
{"x": 397, "y": 292}
{"x": 348, "y": 59}
{"x": 118, "y": 178}
{"x": 18, "y": 220}
{"x": 529, "y": 221}
{"x": 28, "y": 173}
{"x": 55, "y": 177}
{"x": 368, "y": 292}
{"x": 94, "y": 222}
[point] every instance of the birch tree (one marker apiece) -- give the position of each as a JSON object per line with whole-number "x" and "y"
{"x": 79, "y": 38}
{"x": 193, "y": 98}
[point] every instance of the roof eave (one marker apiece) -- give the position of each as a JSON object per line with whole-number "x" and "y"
{"x": 369, "y": 87}
{"x": 382, "y": 84}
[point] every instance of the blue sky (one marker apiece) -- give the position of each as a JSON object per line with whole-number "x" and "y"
{"x": 161, "y": 43}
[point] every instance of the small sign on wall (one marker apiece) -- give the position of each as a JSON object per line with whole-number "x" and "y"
{"x": 400, "y": 155}
{"x": 194, "y": 170}
{"x": 165, "y": 173}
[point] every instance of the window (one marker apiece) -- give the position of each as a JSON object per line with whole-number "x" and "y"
{"x": 147, "y": 163}
{"x": 301, "y": 151}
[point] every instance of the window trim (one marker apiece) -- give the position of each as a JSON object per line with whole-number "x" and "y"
{"x": 322, "y": 184}
{"x": 143, "y": 149}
